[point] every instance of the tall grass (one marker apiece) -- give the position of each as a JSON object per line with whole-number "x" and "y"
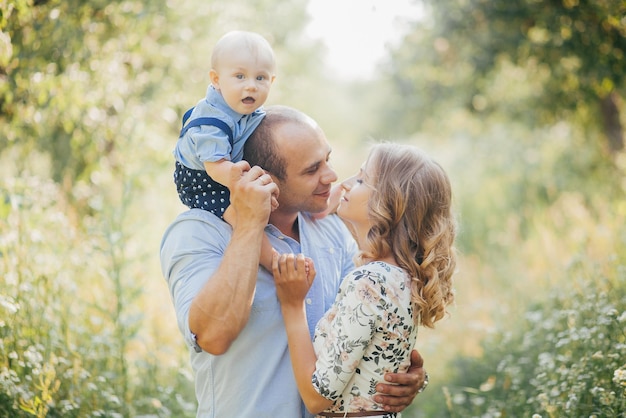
{"x": 568, "y": 355}
{"x": 86, "y": 323}
{"x": 567, "y": 359}
{"x": 543, "y": 254}
{"x": 70, "y": 313}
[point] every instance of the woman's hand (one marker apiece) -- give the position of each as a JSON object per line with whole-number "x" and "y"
{"x": 293, "y": 276}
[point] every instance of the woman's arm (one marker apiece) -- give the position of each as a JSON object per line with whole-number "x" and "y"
{"x": 292, "y": 288}
{"x": 303, "y": 359}
{"x": 292, "y": 284}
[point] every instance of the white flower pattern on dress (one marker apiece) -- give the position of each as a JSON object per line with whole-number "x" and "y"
{"x": 369, "y": 330}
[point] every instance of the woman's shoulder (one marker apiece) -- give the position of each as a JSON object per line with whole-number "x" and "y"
{"x": 379, "y": 272}
{"x": 379, "y": 266}
{"x": 382, "y": 275}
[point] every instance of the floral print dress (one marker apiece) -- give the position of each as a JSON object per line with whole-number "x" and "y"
{"x": 370, "y": 330}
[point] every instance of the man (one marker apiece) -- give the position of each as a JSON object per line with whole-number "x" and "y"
{"x": 226, "y": 304}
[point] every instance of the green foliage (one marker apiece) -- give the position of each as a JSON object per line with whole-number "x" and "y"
{"x": 523, "y": 176}
{"x": 565, "y": 58}
{"x": 91, "y": 94}
{"x": 581, "y": 43}
{"x": 72, "y": 78}
{"x": 567, "y": 358}
{"x": 69, "y": 317}
{"x": 521, "y": 127}
{"x": 82, "y": 82}
{"x": 511, "y": 162}
{"x": 569, "y": 268}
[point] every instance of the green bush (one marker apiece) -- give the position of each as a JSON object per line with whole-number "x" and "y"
{"x": 69, "y": 318}
{"x": 567, "y": 359}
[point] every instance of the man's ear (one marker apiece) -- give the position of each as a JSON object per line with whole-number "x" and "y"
{"x": 215, "y": 79}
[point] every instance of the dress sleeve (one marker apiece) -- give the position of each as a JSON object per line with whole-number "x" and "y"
{"x": 351, "y": 323}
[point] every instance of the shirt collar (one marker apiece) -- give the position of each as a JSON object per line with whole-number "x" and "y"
{"x": 214, "y": 97}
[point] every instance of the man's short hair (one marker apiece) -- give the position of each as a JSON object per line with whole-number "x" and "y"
{"x": 261, "y": 149}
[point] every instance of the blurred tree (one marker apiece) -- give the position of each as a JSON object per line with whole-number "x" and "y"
{"x": 71, "y": 73}
{"x": 572, "y": 53}
{"x": 91, "y": 94}
{"x": 95, "y": 86}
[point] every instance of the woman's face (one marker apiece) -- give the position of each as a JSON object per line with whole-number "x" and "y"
{"x": 353, "y": 206}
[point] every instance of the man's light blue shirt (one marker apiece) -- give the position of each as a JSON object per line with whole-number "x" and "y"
{"x": 210, "y": 143}
{"x": 254, "y": 377}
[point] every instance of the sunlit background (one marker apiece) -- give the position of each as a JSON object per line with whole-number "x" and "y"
{"x": 522, "y": 103}
{"x": 357, "y": 33}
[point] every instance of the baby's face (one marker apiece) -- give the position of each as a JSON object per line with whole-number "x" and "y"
{"x": 244, "y": 78}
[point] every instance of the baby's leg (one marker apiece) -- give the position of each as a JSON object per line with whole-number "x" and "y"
{"x": 266, "y": 254}
{"x": 266, "y": 247}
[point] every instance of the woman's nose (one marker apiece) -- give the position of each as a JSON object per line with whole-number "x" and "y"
{"x": 348, "y": 183}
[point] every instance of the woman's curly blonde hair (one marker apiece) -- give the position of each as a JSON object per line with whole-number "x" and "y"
{"x": 411, "y": 212}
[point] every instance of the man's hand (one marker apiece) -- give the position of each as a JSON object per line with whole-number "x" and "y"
{"x": 397, "y": 396}
{"x": 220, "y": 310}
{"x": 253, "y": 194}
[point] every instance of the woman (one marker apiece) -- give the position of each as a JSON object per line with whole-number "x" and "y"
{"x": 399, "y": 209}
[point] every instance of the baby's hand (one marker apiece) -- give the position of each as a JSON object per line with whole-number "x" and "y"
{"x": 274, "y": 199}
{"x": 293, "y": 276}
{"x": 274, "y": 203}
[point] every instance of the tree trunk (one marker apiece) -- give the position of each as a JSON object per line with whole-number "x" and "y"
{"x": 611, "y": 120}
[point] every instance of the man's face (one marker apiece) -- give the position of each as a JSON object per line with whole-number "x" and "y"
{"x": 309, "y": 175}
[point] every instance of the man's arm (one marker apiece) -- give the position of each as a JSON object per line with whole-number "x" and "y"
{"x": 221, "y": 308}
{"x": 396, "y": 396}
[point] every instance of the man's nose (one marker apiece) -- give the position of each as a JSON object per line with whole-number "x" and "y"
{"x": 329, "y": 176}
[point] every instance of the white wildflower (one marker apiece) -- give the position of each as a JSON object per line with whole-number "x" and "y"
{"x": 619, "y": 376}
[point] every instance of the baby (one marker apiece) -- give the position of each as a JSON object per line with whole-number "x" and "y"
{"x": 215, "y": 130}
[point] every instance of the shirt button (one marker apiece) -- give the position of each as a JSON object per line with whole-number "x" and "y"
{"x": 331, "y": 250}
{"x": 308, "y": 301}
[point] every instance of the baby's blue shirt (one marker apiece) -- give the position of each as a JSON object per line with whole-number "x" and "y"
{"x": 210, "y": 143}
